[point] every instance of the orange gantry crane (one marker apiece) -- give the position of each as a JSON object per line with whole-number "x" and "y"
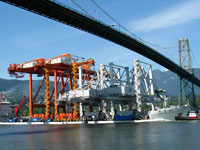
{"x": 62, "y": 66}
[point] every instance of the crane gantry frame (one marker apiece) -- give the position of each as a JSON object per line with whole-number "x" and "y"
{"x": 58, "y": 67}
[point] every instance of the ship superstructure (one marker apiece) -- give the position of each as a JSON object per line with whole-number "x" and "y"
{"x": 5, "y": 107}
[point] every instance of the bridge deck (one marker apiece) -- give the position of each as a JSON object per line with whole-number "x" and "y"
{"x": 55, "y": 11}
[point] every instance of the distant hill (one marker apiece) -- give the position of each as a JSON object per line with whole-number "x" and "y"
{"x": 170, "y": 81}
{"x": 15, "y": 85}
{"x": 15, "y": 89}
{"x": 19, "y": 85}
{"x": 162, "y": 79}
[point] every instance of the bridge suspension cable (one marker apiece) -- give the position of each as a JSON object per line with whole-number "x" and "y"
{"x": 194, "y": 59}
{"x": 127, "y": 30}
{"x": 75, "y": 3}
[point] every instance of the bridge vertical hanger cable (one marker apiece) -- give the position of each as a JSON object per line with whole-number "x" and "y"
{"x": 157, "y": 46}
{"x": 127, "y": 30}
{"x": 81, "y": 8}
{"x": 194, "y": 59}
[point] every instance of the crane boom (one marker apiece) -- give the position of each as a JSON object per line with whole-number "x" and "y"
{"x": 17, "y": 109}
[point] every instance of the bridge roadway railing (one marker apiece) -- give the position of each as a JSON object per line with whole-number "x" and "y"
{"x": 61, "y": 13}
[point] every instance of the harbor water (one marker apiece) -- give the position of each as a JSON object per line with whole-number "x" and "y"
{"x": 142, "y": 136}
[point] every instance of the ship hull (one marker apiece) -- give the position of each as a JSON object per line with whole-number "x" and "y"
{"x": 168, "y": 113}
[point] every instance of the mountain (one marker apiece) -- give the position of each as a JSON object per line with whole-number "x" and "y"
{"x": 162, "y": 79}
{"x": 19, "y": 85}
{"x": 14, "y": 90}
{"x": 170, "y": 81}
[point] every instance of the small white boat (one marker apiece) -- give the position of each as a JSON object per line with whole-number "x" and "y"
{"x": 192, "y": 114}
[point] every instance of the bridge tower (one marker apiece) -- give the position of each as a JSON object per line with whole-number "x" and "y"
{"x": 186, "y": 87}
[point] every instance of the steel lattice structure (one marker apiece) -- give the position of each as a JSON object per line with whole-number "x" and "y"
{"x": 186, "y": 87}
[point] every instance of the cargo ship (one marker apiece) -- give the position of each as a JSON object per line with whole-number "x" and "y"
{"x": 169, "y": 113}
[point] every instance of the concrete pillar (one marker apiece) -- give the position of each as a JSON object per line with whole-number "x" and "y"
{"x": 112, "y": 107}
{"x": 103, "y": 104}
{"x": 120, "y": 107}
{"x": 81, "y": 110}
{"x": 165, "y": 100}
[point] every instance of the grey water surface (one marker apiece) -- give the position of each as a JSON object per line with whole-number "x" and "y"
{"x": 134, "y": 136}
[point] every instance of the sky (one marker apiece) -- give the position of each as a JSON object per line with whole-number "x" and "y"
{"x": 25, "y": 36}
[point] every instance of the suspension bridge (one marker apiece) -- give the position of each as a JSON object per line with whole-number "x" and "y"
{"x": 58, "y": 12}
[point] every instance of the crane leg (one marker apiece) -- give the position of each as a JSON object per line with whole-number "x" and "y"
{"x": 47, "y": 95}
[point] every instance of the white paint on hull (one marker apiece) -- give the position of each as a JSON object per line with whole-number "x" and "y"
{"x": 168, "y": 113}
